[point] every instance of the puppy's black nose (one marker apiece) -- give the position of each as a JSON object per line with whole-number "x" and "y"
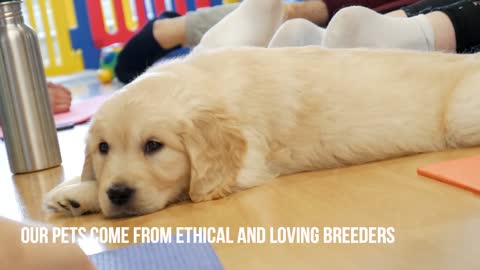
{"x": 120, "y": 194}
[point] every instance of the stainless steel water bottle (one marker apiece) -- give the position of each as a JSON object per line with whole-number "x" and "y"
{"x": 25, "y": 111}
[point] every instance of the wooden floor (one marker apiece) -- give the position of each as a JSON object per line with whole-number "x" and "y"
{"x": 437, "y": 226}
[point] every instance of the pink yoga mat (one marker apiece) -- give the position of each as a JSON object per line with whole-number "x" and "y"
{"x": 462, "y": 172}
{"x": 79, "y": 113}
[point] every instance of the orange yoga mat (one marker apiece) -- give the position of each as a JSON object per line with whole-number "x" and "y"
{"x": 79, "y": 113}
{"x": 463, "y": 173}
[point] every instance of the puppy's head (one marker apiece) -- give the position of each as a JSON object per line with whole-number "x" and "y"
{"x": 149, "y": 146}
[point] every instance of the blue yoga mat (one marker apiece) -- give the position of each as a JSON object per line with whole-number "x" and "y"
{"x": 158, "y": 256}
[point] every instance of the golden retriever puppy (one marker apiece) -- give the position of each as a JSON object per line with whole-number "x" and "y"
{"x": 227, "y": 120}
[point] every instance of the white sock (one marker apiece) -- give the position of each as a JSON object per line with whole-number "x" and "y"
{"x": 253, "y": 23}
{"x": 297, "y": 33}
{"x": 361, "y": 27}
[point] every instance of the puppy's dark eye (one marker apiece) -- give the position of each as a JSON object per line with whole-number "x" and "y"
{"x": 103, "y": 147}
{"x": 152, "y": 147}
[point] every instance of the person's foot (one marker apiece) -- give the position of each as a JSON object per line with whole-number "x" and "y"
{"x": 297, "y": 33}
{"x": 356, "y": 26}
{"x": 253, "y": 23}
{"x": 60, "y": 98}
{"x": 141, "y": 51}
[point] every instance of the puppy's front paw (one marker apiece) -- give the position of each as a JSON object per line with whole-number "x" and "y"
{"x": 75, "y": 198}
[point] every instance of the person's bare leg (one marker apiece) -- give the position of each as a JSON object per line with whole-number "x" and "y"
{"x": 445, "y": 39}
{"x": 313, "y": 11}
{"x": 397, "y": 13}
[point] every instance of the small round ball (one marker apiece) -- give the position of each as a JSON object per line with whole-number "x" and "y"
{"x": 105, "y": 75}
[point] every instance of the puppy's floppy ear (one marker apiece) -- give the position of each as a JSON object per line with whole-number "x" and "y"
{"x": 87, "y": 172}
{"x": 216, "y": 148}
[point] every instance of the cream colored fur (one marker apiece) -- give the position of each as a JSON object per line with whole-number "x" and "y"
{"x": 233, "y": 119}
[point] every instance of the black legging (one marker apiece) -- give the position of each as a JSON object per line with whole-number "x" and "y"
{"x": 464, "y": 15}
